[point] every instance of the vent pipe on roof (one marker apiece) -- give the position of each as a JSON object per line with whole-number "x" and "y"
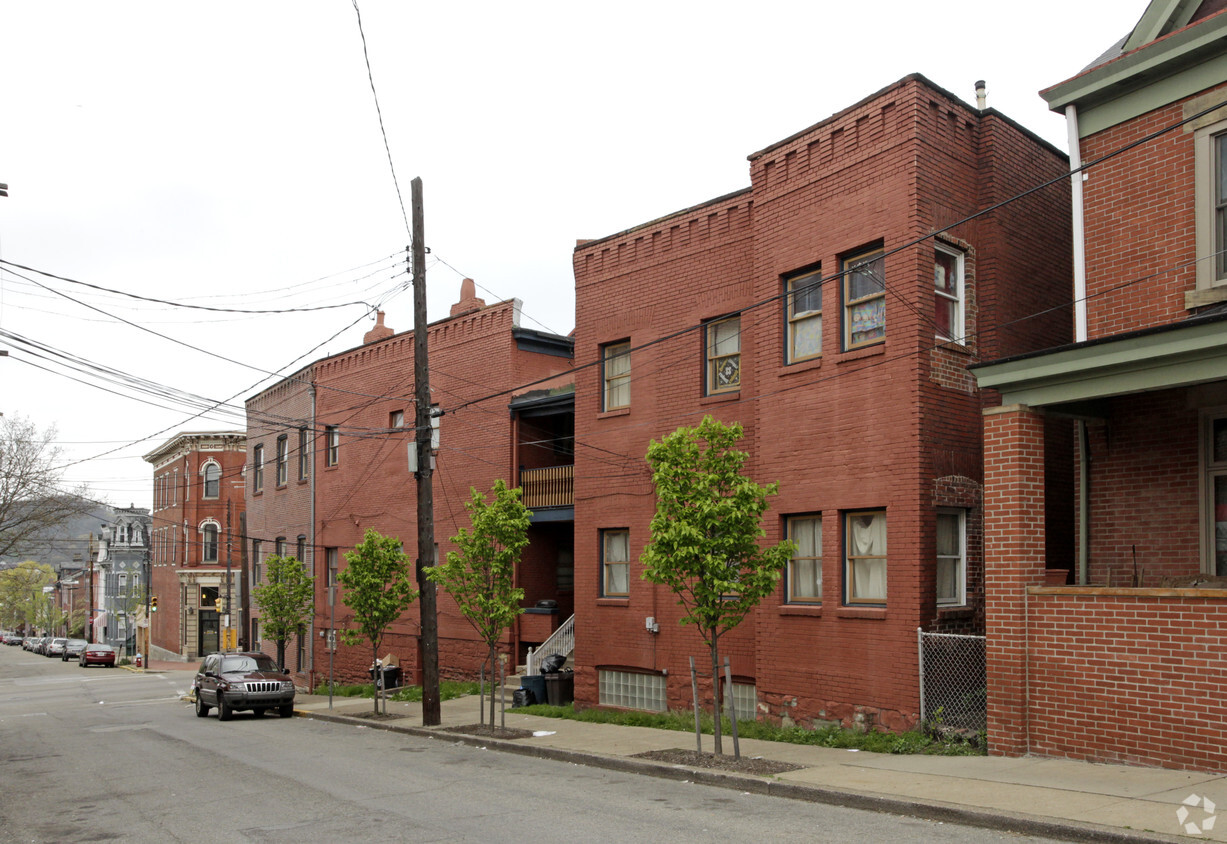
{"x": 981, "y": 95}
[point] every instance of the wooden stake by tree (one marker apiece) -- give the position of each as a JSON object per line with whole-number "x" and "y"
{"x": 705, "y": 535}
{"x": 286, "y": 601}
{"x": 378, "y": 583}
{"x": 480, "y": 576}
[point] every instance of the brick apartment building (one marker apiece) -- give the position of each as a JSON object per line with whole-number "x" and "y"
{"x": 832, "y": 308}
{"x": 197, "y": 512}
{"x": 329, "y": 447}
{"x": 1126, "y": 664}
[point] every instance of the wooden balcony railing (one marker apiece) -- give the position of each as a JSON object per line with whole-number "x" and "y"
{"x": 553, "y": 486}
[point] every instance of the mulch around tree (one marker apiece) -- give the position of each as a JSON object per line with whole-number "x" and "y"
{"x": 375, "y": 716}
{"x": 693, "y": 759}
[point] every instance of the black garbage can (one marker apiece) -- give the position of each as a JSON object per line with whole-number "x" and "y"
{"x": 560, "y": 688}
{"x": 390, "y": 678}
{"x": 535, "y": 683}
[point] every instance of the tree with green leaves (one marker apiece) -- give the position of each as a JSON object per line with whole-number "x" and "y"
{"x": 378, "y": 583}
{"x": 286, "y": 600}
{"x": 704, "y": 543}
{"x": 480, "y": 575}
{"x": 21, "y": 593}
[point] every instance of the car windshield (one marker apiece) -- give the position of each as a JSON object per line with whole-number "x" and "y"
{"x": 248, "y": 663}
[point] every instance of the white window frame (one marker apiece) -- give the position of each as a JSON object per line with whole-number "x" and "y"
{"x": 304, "y": 454}
{"x": 793, "y": 579}
{"x": 607, "y": 565}
{"x": 332, "y": 445}
{"x": 283, "y": 459}
{"x": 716, "y": 358}
{"x": 257, "y": 467}
{"x": 205, "y": 527}
{"x": 958, "y": 326}
{"x": 396, "y": 419}
{"x": 810, "y": 282}
{"x": 958, "y": 560}
{"x": 1211, "y": 267}
{"x": 206, "y": 470}
{"x": 873, "y": 260}
{"x": 616, "y": 375}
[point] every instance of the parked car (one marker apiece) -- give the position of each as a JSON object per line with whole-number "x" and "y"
{"x": 13, "y": 639}
{"x": 27, "y": 644}
{"x": 97, "y": 654}
{"x": 41, "y": 647}
{"x": 73, "y": 649}
{"x": 55, "y": 647}
{"x": 234, "y": 682}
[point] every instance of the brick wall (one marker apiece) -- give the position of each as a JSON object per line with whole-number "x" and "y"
{"x": 893, "y": 426}
{"x": 1128, "y": 676}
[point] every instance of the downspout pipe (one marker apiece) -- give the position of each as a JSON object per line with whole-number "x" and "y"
{"x": 1078, "y": 234}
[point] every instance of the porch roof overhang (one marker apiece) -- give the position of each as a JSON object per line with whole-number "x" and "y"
{"x": 542, "y": 515}
{"x": 1071, "y": 378}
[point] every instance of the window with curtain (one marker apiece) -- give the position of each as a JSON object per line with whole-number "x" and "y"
{"x": 864, "y": 299}
{"x": 948, "y": 294}
{"x": 805, "y": 567}
{"x": 865, "y": 557}
{"x": 804, "y": 316}
{"x": 615, "y": 559}
{"x": 951, "y": 558}
{"x": 332, "y": 445}
{"x": 617, "y": 363}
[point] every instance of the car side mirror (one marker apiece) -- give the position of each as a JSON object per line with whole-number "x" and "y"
{"x": 285, "y": 671}
{"x": 210, "y": 674}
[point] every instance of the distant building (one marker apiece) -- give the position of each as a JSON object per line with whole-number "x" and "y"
{"x": 123, "y": 572}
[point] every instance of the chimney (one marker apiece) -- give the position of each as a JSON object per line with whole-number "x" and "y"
{"x": 468, "y": 299}
{"x": 981, "y": 95}
{"x": 379, "y": 332}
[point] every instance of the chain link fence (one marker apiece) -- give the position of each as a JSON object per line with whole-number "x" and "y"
{"x": 953, "y": 681}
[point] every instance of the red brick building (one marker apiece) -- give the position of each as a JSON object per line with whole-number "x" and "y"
{"x": 1126, "y": 664}
{"x": 832, "y": 308}
{"x": 503, "y": 417}
{"x": 198, "y": 506}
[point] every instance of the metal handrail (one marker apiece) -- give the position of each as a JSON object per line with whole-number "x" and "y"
{"x": 561, "y": 641}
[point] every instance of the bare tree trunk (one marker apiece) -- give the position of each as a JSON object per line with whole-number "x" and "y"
{"x": 493, "y": 680}
{"x": 481, "y": 693}
{"x": 715, "y": 693}
{"x": 378, "y": 674}
{"x": 694, "y": 691}
{"x": 731, "y": 703}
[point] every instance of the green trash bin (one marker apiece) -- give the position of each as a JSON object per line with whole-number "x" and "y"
{"x": 560, "y": 688}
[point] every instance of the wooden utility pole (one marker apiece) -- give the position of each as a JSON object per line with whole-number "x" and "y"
{"x": 431, "y": 714}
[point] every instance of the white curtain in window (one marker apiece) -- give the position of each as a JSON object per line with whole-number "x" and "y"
{"x": 617, "y": 385}
{"x": 807, "y": 564}
{"x": 617, "y": 568}
{"x": 867, "y": 539}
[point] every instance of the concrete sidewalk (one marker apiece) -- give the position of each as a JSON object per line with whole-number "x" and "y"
{"x": 1051, "y": 797}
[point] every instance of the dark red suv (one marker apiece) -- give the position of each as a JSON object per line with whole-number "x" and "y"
{"x": 243, "y": 681}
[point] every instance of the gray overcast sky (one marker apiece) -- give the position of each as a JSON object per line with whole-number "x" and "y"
{"x": 229, "y": 154}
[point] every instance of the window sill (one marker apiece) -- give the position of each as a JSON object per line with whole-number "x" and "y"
{"x": 877, "y": 613}
{"x": 954, "y": 346}
{"x": 1205, "y": 296}
{"x": 613, "y": 602}
{"x": 257, "y": 492}
{"x": 809, "y": 610}
{"x": 610, "y": 414}
{"x": 720, "y": 398}
{"x": 800, "y": 366}
{"x": 858, "y": 354}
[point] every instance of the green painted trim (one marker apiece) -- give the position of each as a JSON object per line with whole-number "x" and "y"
{"x": 1182, "y": 357}
{"x": 1145, "y": 79}
{"x": 1160, "y": 18}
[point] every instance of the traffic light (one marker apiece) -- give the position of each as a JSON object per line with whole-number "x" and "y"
{"x": 153, "y": 604}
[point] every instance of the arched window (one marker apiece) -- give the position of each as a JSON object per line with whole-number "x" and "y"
{"x": 212, "y": 480}
{"x": 209, "y": 542}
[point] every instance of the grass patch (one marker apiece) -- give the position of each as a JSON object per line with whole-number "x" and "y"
{"x": 935, "y": 742}
{"x": 448, "y": 690}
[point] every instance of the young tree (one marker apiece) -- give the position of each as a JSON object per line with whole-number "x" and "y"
{"x": 32, "y": 505}
{"x": 286, "y": 601}
{"x": 378, "y": 583}
{"x": 705, "y": 534}
{"x": 480, "y": 576}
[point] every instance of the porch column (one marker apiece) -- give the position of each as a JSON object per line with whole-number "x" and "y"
{"x": 1014, "y": 559}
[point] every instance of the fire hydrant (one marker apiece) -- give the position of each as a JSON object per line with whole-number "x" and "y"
{"x": 140, "y": 661}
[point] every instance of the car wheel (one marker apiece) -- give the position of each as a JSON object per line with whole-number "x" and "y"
{"x": 286, "y": 711}
{"x": 202, "y": 708}
{"x": 224, "y": 712}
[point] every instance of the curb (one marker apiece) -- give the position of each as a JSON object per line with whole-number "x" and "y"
{"x": 996, "y": 820}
